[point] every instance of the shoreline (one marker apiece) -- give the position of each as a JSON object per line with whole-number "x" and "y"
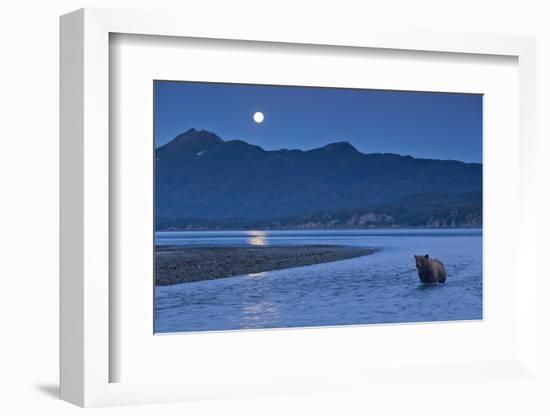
{"x": 174, "y": 265}
{"x": 252, "y": 229}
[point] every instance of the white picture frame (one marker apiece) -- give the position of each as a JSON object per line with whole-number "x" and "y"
{"x": 87, "y": 355}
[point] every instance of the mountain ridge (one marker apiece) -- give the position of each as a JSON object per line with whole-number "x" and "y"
{"x": 206, "y": 134}
{"x": 202, "y": 178}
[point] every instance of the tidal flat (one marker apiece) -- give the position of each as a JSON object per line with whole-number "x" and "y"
{"x": 175, "y": 265}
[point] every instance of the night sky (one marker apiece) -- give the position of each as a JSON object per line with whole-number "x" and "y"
{"x": 420, "y": 124}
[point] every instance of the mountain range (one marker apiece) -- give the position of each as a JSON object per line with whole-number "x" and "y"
{"x": 204, "y": 182}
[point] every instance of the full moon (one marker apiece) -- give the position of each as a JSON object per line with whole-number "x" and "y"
{"x": 258, "y": 117}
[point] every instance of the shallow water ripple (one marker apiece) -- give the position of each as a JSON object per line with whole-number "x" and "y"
{"x": 380, "y": 288}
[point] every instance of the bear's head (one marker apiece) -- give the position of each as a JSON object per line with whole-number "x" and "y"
{"x": 422, "y": 261}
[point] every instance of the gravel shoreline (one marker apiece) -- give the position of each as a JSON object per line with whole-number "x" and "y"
{"x": 175, "y": 265}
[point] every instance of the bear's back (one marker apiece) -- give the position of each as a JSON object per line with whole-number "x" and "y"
{"x": 439, "y": 274}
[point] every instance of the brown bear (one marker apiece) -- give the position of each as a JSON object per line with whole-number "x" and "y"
{"x": 430, "y": 270}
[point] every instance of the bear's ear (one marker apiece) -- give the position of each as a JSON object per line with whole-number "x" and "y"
{"x": 427, "y": 256}
{"x": 415, "y": 256}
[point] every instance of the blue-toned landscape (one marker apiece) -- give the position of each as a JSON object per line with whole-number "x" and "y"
{"x": 275, "y": 207}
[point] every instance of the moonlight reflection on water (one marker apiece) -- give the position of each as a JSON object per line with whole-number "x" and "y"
{"x": 257, "y": 238}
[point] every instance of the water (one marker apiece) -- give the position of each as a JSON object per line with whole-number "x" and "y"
{"x": 379, "y": 288}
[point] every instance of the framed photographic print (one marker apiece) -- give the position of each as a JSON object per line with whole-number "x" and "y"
{"x": 270, "y": 213}
{"x": 317, "y": 214}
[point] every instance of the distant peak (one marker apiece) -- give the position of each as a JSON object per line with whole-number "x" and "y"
{"x": 194, "y": 134}
{"x": 194, "y": 137}
{"x": 340, "y": 146}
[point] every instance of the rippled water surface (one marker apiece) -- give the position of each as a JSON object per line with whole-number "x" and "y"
{"x": 379, "y": 288}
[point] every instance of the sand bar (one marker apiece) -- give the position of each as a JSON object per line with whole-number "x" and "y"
{"x": 183, "y": 265}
